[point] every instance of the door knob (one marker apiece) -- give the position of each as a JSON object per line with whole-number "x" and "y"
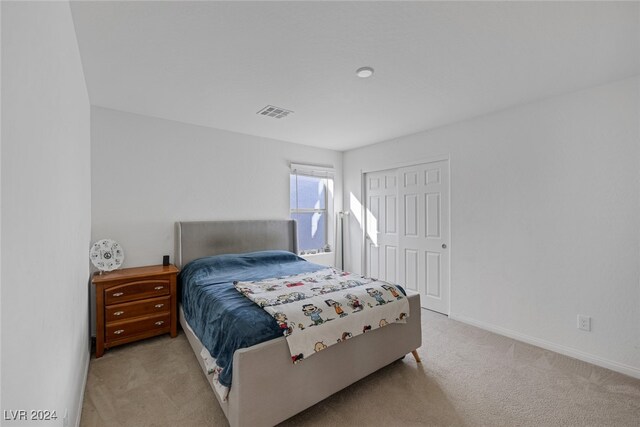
{"x": 444, "y": 246}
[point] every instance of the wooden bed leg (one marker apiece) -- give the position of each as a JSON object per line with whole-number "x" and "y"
{"x": 416, "y": 356}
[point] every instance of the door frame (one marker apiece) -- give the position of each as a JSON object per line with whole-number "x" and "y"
{"x": 363, "y": 214}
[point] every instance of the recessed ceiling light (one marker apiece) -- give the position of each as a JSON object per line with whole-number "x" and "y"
{"x": 364, "y": 72}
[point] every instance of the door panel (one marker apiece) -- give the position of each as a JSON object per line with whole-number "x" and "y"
{"x": 391, "y": 261}
{"x": 432, "y": 176}
{"x": 374, "y": 183}
{"x": 411, "y": 269}
{"x": 411, "y": 215}
{"x": 407, "y": 226}
{"x": 382, "y": 225}
{"x": 410, "y": 178}
{"x": 432, "y": 217}
{"x": 432, "y": 273}
{"x": 390, "y": 215}
{"x": 425, "y": 230}
{"x": 374, "y": 261}
{"x": 390, "y": 182}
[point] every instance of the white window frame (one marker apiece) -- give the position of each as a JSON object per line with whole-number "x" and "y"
{"x": 318, "y": 172}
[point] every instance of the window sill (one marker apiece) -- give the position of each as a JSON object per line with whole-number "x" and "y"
{"x": 317, "y": 254}
{"x": 324, "y": 258}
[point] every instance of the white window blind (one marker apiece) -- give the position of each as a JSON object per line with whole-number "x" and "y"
{"x": 312, "y": 170}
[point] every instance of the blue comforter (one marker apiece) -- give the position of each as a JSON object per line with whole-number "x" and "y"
{"x": 222, "y": 318}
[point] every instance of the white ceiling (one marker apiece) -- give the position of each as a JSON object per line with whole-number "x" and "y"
{"x": 217, "y": 63}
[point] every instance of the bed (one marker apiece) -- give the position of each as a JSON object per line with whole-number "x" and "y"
{"x": 264, "y": 377}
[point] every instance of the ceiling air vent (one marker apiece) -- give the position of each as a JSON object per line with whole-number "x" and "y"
{"x": 275, "y": 112}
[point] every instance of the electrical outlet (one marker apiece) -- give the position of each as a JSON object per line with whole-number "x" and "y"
{"x": 584, "y": 323}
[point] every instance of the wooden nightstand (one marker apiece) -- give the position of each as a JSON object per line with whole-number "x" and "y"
{"x": 134, "y": 303}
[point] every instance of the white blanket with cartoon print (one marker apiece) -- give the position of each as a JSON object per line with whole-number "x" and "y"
{"x": 323, "y": 308}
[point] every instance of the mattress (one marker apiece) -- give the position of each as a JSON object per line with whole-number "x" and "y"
{"x": 221, "y": 317}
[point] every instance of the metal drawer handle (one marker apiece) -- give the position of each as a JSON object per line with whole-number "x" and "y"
{"x": 159, "y": 322}
{"x": 118, "y": 313}
{"x": 157, "y": 288}
{"x": 159, "y": 305}
{"x": 119, "y": 331}
{"x": 118, "y": 294}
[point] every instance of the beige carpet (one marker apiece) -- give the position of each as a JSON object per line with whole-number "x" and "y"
{"x": 469, "y": 377}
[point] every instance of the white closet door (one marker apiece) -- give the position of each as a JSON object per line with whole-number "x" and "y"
{"x": 381, "y": 243}
{"x": 423, "y": 232}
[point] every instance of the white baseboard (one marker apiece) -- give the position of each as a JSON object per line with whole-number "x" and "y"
{"x": 567, "y": 351}
{"x": 82, "y": 391}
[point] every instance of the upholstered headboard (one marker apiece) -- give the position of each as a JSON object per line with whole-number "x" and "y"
{"x": 197, "y": 239}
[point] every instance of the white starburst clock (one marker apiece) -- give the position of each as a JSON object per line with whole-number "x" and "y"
{"x": 106, "y": 255}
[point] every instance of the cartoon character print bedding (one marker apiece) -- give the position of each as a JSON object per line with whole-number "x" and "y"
{"x": 326, "y": 307}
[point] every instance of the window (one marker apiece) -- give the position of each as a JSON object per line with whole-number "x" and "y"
{"x": 309, "y": 201}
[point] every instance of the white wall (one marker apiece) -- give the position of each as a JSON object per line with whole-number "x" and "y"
{"x": 544, "y": 216}
{"x": 45, "y": 211}
{"x": 148, "y": 173}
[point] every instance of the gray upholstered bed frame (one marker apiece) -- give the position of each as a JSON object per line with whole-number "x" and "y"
{"x": 267, "y": 388}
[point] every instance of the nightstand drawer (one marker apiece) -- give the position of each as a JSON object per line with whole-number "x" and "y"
{"x": 131, "y": 291}
{"x": 118, "y": 330}
{"x": 137, "y": 308}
